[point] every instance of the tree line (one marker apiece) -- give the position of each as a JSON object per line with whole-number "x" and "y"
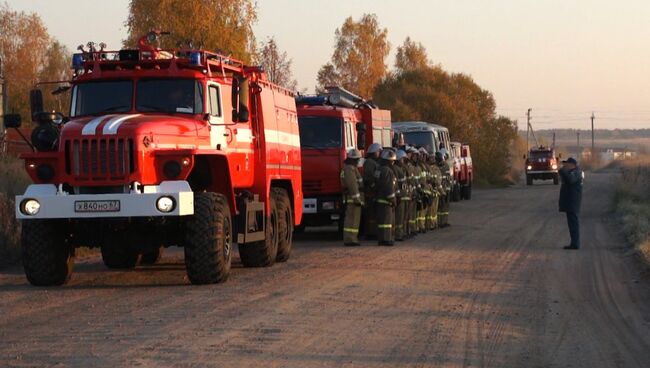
{"x": 414, "y": 88}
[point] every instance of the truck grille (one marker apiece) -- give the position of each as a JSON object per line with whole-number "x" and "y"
{"x": 312, "y": 186}
{"x": 100, "y": 159}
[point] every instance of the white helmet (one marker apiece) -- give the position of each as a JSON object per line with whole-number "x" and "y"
{"x": 354, "y": 154}
{"x": 375, "y": 147}
{"x": 400, "y": 154}
{"x": 388, "y": 154}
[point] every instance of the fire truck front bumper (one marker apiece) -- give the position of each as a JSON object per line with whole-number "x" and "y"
{"x": 45, "y": 201}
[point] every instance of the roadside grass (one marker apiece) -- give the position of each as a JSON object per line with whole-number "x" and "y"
{"x": 632, "y": 205}
{"x": 13, "y": 180}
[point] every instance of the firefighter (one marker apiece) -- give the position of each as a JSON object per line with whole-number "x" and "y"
{"x": 436, "y": 189}
{"x": 425, "y": 190}
{"x": 415, "y": 191}
{"x": 443, "y": 207}
{"x": 352, "y": 184}
{"x": 403, "y": 195}
{"x": 386, "y": 199}
{"x": 370, "y": 165}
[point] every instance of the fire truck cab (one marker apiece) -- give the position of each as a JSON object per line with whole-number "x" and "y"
{"x": 162, "y": 148}
{"x": 330, "y": 124}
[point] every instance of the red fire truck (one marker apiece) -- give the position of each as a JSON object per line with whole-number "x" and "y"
{"x": 162, "y": 148}
{"x": 330, "y": 124}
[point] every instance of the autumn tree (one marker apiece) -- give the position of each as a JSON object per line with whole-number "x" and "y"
{"x": 277, "y": 64}
{"x": 23, "y": 44}
{"x": 411, "y": 55}
{"x": 223, "y": 25}
{"x": 457, "y": 102}
{"x": 56, "y": 68}
{"x": 359, "y": 59}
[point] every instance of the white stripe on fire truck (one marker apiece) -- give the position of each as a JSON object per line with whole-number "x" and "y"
{"x": 111, "y": 127}
{"x": 279, "y": 137}
{"x": 91, "y": 126}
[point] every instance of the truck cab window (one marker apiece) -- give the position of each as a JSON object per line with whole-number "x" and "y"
{"x": 215, "y": 101}
{"x": 170, "y": 96}
{"x": 101, "y": 97}
{"x": 320, "y": 132}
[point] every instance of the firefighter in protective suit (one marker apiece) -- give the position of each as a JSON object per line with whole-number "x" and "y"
{"x": 443, "y": 206}
{"x": 352, "y": 184}
{"x": 414, "y": 189}
{"x": 403, "y": 196}
{"x": 386, "y": 200}
{"x": 370, "y": 165}
{"x": 436, "y": 188}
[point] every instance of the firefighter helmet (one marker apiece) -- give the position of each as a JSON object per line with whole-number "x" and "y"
{"x": 400, "y": 155}
{"x": 375, "y": 147}
{"x": 354, "y": 154}
{"x": 389, "y": 155}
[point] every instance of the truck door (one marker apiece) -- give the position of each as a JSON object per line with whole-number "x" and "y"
{"x": 218, "y": 133}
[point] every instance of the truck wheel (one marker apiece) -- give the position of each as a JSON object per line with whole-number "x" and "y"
{"x": 263, "y": 253}
{"x": 151, "y": 258}
{"x": 556, "y": 179}
{"x": 285, "y": 225}
{"x": 119, "y": 256}
{"x": 47, "y": 257}
{"x": 456, "y": 193}
{"x": 529, "y": 180}
{"x": 208, "y": 240}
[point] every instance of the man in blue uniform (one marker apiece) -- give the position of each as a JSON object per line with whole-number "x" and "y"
{"x": 571, "y": 198}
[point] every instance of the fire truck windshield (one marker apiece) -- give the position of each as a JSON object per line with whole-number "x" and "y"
{"x": 153, "y": 95}
{"x": 170, "y": 96}
{"x": 320, "y": 132}
{"x": 101, "y": 97}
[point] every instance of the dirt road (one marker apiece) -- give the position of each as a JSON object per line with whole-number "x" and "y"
{"x": 494, "y": 290}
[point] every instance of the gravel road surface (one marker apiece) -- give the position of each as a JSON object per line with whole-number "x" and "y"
{"x": 493, "y": 290}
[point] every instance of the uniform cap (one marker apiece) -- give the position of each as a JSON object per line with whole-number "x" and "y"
{"x": 388, "y": 154}
{"x": 375, "y": 147}
{"x": 353, "y": 153}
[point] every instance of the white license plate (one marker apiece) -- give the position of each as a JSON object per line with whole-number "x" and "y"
{"x": 309, "y": 205}
{"x": 97, "y": 206}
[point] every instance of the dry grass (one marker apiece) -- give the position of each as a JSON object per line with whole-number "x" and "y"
{"x": 632, "y": 204}
{"x": 13, "y": 180}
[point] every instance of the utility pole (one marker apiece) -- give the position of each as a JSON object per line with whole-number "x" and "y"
{"x": 593, "y": 146}
{"x": 579, "y": 150}
{"x": 527, "y": 129}
{"x": 553, "y": 146}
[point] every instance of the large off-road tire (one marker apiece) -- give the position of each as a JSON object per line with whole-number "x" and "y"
{"x": 556, "y": 179}
{"x": 529, "y": 180}
{"x": 151, "y": 258}
{"x": 285, "y": 224}
{"x": 117, "y": 254}
{"x": 47, "y": 256}
{"x": 455, "y": 193}
{"x": 466, "y": 192}
{"x": 263, "y": 253}
{"x": 208, "y": 240}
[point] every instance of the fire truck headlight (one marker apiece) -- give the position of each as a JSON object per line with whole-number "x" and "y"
{"x": 328, "y": 206}
{"x": 165, "y": 204}
{"x": 45, "y": 172}
{"x": 554, "y": 166}
{"x": 529, "y": 167}
{"x": 30, "y": 207}
{"x": 172, "y": 169}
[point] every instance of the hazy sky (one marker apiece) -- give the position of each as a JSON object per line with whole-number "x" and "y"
{"x": 562, "y": 58}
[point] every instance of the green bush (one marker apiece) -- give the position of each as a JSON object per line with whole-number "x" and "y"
{"x": 632, "y": 205}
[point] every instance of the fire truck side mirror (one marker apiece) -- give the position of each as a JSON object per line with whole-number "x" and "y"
{"x": 361, "y": 135}
{"x": 12, "y": 121}
{"x": 35, "y": 102}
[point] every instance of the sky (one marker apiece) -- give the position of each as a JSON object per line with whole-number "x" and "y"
{"x": 564, "y": 59}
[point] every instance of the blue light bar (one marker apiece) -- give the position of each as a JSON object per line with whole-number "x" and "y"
{"x": 195, "y": 58}
{"x": 77, "y": 61}
{"x": 311, "y": 100}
